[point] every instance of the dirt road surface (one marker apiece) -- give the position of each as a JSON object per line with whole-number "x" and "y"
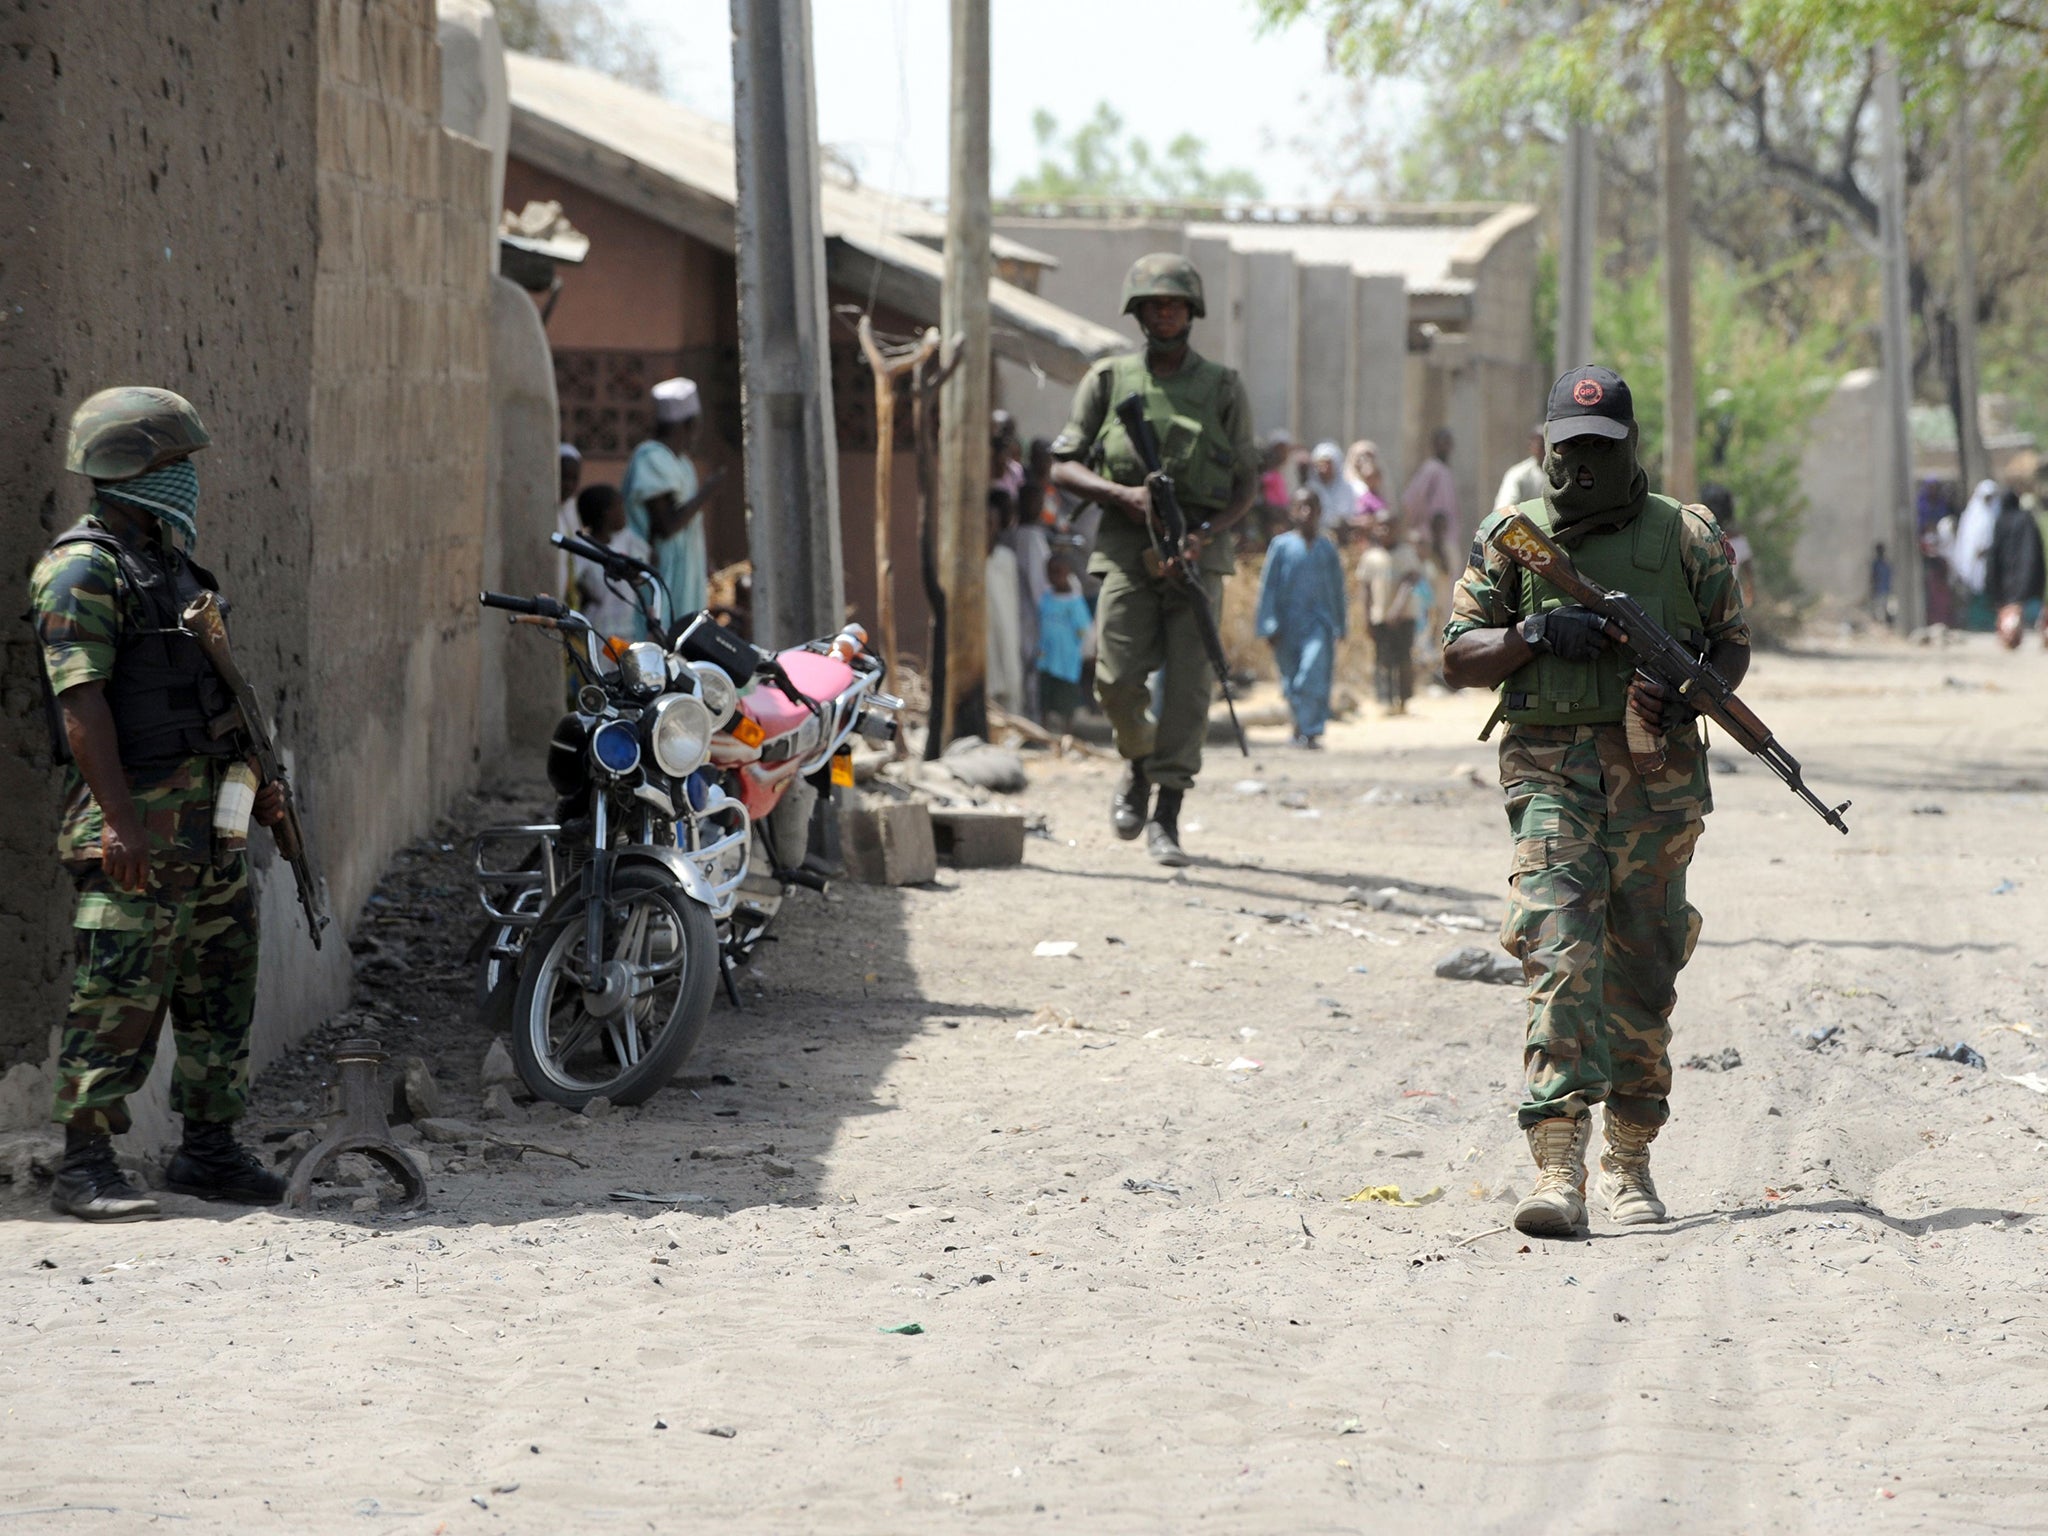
{"x": 1147, "y": 1302}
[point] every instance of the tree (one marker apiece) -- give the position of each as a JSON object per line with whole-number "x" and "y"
{"x": 1784, "y": 163}
{"x": 1099, "y": 160}
{"x": 583, "y": 32}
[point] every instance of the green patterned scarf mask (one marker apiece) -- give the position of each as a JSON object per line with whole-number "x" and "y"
{"x": 169, "y": 494}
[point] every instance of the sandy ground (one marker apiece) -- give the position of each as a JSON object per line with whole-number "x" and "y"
{"x": 1842, "y": 1328}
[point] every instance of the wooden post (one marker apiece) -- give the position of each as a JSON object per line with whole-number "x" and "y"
{"x": 964, "y": 399}
{"x": 887, "y": 370}
{"x": 1894, "y": 522}
{"x": 1681, "y": 470}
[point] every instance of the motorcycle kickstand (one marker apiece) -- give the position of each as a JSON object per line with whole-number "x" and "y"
{"x": 727, "y": 972}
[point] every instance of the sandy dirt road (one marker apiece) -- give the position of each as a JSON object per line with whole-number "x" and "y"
{"x": 1842, "y": 1328}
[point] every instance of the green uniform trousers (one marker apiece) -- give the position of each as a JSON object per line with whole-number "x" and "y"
{"x": 1148, "y": 626}
{"x": 187, "y": 942}
{"x": 1597, "y": 915}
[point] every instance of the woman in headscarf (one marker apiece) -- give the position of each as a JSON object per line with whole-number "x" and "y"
{"x": 1362, "y": 469}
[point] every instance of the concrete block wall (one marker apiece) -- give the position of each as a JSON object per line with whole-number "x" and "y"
{"x": 1272, "y": 305}
{"x": 173, "y": 243}
{"x": 1326, "y": 354}
{"x": 281, "y": 230}
{"x": 401, "y": 435}
{"x": 1379, "y": 388}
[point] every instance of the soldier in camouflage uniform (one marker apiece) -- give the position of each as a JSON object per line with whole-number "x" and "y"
{"x": 1597, "y": 911}
{"x": 164, "y": 919}
{"x": 1202, "y": 416}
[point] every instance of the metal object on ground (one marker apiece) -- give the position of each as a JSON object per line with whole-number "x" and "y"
{"x": 362, "y": 1128}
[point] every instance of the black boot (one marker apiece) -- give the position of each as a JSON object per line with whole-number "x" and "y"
{"x": 91, "y": 1185}
{"x": 1128, "y": 806}
{"x": 214, "y": 1166}
{"x": 1162, "y": 833}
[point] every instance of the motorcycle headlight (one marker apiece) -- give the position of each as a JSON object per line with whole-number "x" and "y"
{"x": 680, "y": 736}
{"x": 720, "y": 697}
{"x": 615, "y": 746}
{"x": 644, "y": 667}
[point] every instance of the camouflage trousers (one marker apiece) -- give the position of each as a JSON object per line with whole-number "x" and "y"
{"x": 1149, "y": 626}
{"x": 187, "y": 944}
{"x": 1598, "y": 917}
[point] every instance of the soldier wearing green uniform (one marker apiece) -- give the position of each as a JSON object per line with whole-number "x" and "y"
{"x": 1202, "y": 417}
{"x": 1597, "y": 912}
{"x": 164, "y": 919}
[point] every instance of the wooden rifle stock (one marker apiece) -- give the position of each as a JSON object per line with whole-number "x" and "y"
{"x": 203, "y": 621}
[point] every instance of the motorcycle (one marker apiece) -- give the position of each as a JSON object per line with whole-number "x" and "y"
{"x": 669, "y": 770}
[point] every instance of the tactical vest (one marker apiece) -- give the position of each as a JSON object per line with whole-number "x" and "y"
{"x": 1194, "y": 444}
{"x": 164, "y": 692}
{"x": 1640, "y": 558}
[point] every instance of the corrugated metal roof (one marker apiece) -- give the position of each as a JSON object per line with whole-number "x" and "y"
{"x": 676, "y": 166}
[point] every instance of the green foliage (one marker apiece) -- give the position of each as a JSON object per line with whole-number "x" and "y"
{"x": 582, "y": 32}
{"x": 1757, "y": 387}
{"x": 1580, "y": 59}
{"x": 1098, "y": 159}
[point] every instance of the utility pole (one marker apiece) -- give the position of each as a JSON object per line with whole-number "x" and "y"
{"x": 1681, "y": 424}
{"x": 1575, "y": 228}
{"x": 1894, "y": 517}
{"x": 964, "y": 397}
{"x": 785, "y": 362}
{"x": 1969, "y": 425}
{"x": 1575, "y": 250}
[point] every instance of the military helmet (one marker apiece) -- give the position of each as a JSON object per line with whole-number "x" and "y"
{"x": 1163, "y": 275}
{"x": 128, "y": 431}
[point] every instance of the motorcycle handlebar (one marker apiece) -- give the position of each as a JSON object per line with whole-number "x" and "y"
{"x": 614, "y": 562}
{"x": 545, "y": 607}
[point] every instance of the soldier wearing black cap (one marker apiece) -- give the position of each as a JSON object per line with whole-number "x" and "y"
{"x": 1597, "y": 911}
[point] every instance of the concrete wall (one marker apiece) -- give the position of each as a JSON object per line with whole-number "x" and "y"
{"x": 268, "y": 218}
{"x": 1379, "y": 387}
{"x": 1272, "y": 298}
{"x": 172, "y": 244}
{"x": 1326, "y": 355}
{"x": 1842, "y": 473}
{"x": 401, "y": 433}
{"x": 520, "y": 712}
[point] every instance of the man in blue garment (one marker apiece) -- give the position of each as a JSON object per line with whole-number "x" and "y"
{"x": 1301, "y": 614}
{"x": 663, "y": 497}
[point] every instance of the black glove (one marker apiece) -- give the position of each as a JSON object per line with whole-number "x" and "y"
{"x": 1659, "y": 705}
{"x": 1570, "y": 634}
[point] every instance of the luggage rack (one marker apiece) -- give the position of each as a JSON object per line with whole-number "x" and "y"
{"x": 507, "y": 893}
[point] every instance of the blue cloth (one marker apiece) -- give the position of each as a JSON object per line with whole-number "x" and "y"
{"x": 682, "y": 559}
{"x": 1063, "y": 625}
{"x": 1307, "y": 664}
{"x": 1302, "y": 611}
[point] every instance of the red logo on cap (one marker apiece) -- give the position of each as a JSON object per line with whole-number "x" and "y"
{"x": 1588, "y": 392}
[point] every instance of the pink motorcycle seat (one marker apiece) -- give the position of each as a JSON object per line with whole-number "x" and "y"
{"x": 823, "y": 678}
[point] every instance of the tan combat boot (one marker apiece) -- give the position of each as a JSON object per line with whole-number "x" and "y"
{"x": 1556, "y": 1207}
{"x": 1625, "y": 1181}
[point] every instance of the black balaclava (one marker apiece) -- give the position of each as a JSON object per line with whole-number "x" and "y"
{"x": 1592, "y": 476}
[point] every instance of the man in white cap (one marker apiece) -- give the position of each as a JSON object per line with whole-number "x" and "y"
{"x": 663, "y": 497}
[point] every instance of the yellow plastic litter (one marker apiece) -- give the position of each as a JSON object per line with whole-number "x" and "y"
{"x": 1390, "y": 1194}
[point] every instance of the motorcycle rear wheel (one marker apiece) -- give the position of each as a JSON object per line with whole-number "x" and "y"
{"x": 663, "y": 966}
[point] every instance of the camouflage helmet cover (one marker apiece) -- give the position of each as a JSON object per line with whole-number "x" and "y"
{"x": 1163, "y": 275}
{"x": 130, "y": 430}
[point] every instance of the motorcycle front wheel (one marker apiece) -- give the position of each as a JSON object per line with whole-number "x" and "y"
{"x": 626, "y": 1037}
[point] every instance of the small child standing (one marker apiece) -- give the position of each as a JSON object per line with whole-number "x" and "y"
{"x": 603, "y": 513}
{"x": 1064, "y": 625}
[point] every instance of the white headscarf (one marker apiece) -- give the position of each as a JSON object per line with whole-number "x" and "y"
{"x": 1973, "y": 535}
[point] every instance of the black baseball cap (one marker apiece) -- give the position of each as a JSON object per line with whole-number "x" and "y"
{"x": 1589, "y": 402}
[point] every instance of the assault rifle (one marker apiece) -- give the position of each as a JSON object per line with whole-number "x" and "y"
{"x": 1658, "y": 655}
{"x": 202, "y": 620}
{"x": 1168, "y": 527}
